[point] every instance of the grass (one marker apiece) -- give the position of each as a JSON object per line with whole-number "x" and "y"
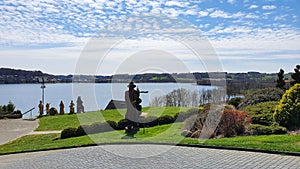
{"x": 61, "y": 122}
{"x": 289, "y": 143}
{"x": 165, "y": 133}
{"x": 170, "y": 133}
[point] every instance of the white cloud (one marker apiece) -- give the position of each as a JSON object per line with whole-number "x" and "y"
{"x": 253, "y": 7}
{"x": 280, "y": 18}
{"x": 260, "y": 44}
{"x": 62, "y": 23}
{"x": 174, "y": 3}
{"x": 222, "y": 14}
{"x": 202, "y": 13}
{"x": 219, "y": 14}
{"x": 268, "y": 7}
{"x": 231, "y": 1}
{"x": 251, "y": 16}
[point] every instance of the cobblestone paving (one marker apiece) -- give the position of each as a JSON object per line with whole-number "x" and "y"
{"x": 146, "y": 156}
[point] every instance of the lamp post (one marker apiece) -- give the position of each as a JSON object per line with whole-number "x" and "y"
{"x": 43, "y": 90}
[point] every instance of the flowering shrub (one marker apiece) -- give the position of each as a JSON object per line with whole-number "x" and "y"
{"x": 233, "y": 123}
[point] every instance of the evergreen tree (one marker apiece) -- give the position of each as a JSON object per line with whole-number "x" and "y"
{"x": 280, "y": 81}
{"x": 296, "y": 76}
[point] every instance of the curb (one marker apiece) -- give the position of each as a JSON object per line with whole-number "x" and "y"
{"x": 297, "y": 154}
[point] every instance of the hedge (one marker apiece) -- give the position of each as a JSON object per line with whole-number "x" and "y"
{"x": 257, "y": 129}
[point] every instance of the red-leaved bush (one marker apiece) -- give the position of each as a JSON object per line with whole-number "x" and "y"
{"x": 233, "y": 123}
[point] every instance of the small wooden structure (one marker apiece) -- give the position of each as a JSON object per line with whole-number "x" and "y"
{"x": 116, "y": 104}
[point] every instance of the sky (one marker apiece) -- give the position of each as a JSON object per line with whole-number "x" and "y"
{"x": 113, "y": 37}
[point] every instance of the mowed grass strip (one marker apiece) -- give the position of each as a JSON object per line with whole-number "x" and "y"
{"x": 170, "y": 133}
{"x": 289, "y": 143}
{"x": 60, "y": 122}
{"x": 163, "y": 134}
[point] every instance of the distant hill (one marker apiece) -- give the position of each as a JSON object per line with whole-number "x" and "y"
{"x": 19, "y": 72}
{"x": 239, "y": 80}
{"x": 12, "y": 76}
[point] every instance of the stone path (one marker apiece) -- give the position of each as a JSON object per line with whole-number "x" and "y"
{"x": 12, "y": 129}
{"x": 147, "y": 156}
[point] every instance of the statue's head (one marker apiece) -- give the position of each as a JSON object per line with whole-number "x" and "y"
{"x": 131, "y": 85}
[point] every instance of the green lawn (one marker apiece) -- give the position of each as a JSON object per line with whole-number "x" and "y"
{"x": 286, "y": 142}
{"x": 61, "y": 122}
{"x": 160, "y": 134}
{"x": 170, "y": 133}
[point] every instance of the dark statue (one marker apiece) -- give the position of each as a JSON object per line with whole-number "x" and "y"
{"x": 61, "y": 108}
{"x": 41, "y": 108}
{"x": 47, "y": 108}
{"x": 133, "y": 101}
{"x": 72, "y": 111}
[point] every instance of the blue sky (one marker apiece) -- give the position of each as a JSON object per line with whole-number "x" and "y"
{"x": 244, "y": 35}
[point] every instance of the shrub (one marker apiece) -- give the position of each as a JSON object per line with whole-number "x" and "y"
{"x": 261, "y": 95}
{"x": 53, "y": 111}
{"x": 276, "y": 129}
{"x": 12, "y": 116}
{"x": 262, "y": 113}
{"x": 233, "y": 123}
{"x": 149, "y": 121}
{"x": 112, "y": 124}
{"x": 122, "y": 124}
{"x": 257, "y": 129}
{"x": 68, "y": 132}
{"x": 97, "y": 128}
{"x": 235, "y": 101}
{"x": 10, "y": 107}
{"x": 17, "y": 112}
{"x": 80, "y": 131}
{"x": 287, "y": 112}
{"x": 165, "y": 120}
{"x": 7, "y": 109}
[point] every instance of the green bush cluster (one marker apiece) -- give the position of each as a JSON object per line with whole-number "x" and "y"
{"x": 88, "y": 129}
{"x": 262, "y": 113}
{"x": 165, "y": 120}
{"x": 97, "y": 127}
{"x": 287, "y": 112}
{"x": 257, "y": 129}
{"x": 53, "y": 111}
{"x": 235, "y": 101}
{"x": 150, "y": 121}
{"x": 8, "y": 111}
{"x": 259, "y": 96}
{"x": 68, "y": 132}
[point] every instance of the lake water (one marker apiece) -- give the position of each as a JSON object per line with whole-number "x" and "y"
{"x": 94, "y": 96}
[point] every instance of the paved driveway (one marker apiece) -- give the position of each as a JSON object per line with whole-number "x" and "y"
{"x": 11, "y": 129}
{"x": 146, "y": 156}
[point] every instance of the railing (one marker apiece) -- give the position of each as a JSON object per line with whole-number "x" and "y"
{"x": 29, "y": 111}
